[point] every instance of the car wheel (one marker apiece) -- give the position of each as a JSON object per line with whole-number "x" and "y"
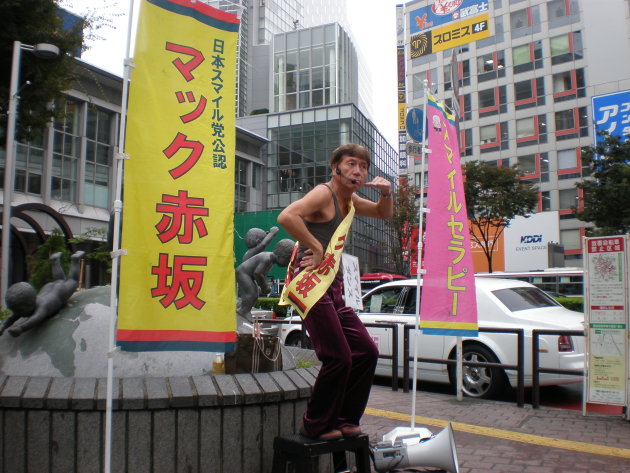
{"x": 295, "y": 340}
{"x": 479, "y": 381}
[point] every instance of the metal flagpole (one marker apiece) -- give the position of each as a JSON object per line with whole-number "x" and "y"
{"x": 116, "y": 251}
{"x": 421, "y": 212}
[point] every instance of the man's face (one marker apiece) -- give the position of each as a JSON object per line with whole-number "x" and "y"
{"x": 353, "y": 168}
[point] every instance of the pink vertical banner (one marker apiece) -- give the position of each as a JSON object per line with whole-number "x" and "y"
{"x": 448, "y": 304}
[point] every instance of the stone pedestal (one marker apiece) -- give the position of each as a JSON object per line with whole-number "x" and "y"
{"x": 211, "y": 423}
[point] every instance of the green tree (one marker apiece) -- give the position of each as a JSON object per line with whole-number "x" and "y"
{"x": 32, "y": 22}
{"x": 403, "y": 220}
{"x": 494, "y": 196}
{"x": 607, "y": 193}
{"x": 96, "y": 239}
{"x": 38, "y": 263}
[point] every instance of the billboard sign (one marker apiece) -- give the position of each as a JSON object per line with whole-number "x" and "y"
{"x": 611, "y": 113}
{"x": 450, "y": 36}
{"x": 443, "y": 12}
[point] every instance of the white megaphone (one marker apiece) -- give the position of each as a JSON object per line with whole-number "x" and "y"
{"x": 418, "y": 449}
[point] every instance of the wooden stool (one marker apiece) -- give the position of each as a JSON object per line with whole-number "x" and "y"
{"x": 304, "y": 453}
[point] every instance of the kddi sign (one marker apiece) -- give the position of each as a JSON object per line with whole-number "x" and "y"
{"x": 526, "y": 241}
{"x": 531, "y": 238}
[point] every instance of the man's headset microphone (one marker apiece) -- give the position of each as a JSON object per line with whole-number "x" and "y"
{"x": 352, "y": 181}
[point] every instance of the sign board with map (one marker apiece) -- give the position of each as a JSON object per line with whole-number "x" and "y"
{"x": 606, "y": 311}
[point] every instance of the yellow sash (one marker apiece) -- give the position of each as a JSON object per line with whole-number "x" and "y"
{"x": 304, "y": 290}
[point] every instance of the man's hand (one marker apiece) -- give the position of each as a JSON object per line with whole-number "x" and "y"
{"x": 312, "y": 259}
{"x": 380, "y": 183}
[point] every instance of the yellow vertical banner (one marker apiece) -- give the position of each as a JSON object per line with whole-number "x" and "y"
{"x": 177, "y": 290}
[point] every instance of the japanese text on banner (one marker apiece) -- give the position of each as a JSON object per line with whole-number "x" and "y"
{"x": 176, "y": 284}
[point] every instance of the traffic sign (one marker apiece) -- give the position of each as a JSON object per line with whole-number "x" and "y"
{"x": 414, "y": 123}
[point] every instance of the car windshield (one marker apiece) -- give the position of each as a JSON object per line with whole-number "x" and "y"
{"x": 523, "y": 298}
{"x": 382, "y": 301}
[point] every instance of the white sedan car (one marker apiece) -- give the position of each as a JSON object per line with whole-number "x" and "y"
{"x": 501, "y": 303}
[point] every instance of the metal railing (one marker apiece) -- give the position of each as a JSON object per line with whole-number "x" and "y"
{"x": 536, "y": 369}
{"x": 519, "y": 367}
{"x": 520, "y": 356}
{"x": 394, "y": 356}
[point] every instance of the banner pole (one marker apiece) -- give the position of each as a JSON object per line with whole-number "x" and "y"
{"x": 421, "y": 211}
{"x": 459, "y": 368}
{"x": 113, "y": 300}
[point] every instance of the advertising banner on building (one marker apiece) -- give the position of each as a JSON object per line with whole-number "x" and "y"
{"x": 611, "y": 113}
{"x": 442, "y": 12}
{"x": 450, "y": 36}
{"x": 177, "y": 289}
{"x": 606, "y": 311}
{"x": 448, "y": 304}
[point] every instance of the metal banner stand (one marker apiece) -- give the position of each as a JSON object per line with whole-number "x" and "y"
{"x": 116, "y": 251}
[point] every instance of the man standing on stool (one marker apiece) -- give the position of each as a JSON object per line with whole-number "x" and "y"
{"x": 320, "y": 221}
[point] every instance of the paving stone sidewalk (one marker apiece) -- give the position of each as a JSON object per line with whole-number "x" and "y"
{"x": 499, "y": 437}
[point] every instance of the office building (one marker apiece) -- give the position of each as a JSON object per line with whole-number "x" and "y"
{"x": 314, "y": 110}
{"x": 525, "y": 91}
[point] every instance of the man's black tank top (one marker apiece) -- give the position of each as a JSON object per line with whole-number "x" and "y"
{"x": 323, "y": 231}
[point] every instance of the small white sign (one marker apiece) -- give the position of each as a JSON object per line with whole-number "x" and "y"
{"x": 351, "y": 281}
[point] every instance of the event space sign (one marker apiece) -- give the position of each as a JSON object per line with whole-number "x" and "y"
{"x": 606, "y": 311}
{"x": 177, "y": 290}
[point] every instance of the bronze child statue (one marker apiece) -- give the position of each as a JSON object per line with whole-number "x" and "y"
{"x": 22, "y": 300}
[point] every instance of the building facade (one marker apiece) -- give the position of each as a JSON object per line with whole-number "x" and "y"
{"x": 314, "y": 109}
{"x": 70, "y": 171}
{"x": 525, "y": 91}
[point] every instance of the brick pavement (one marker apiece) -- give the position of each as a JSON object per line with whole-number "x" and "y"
{"x": 499, "y": 437}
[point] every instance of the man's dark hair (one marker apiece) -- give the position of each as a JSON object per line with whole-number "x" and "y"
{"x": 350, "y": 149}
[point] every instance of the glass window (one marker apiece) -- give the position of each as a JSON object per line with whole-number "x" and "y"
{"x": 545, "y": 201}
{"x": 562, "y": 82}
{"x": 525, "y": 127}
{"x": 382, "y": 301}
{"x": 447, "y": 77}
{"x": 519, "y": 19}
{"x": 487, "y": 134}
{"x": 565, "y": 120}
{"x": 567, "y": 159}
{"x": 567, "y": 198}
{"x": 559, "y": 45}
{"x": 527, "y": 164}
{"x": 521, "y": 54}
{"x": 66, "y": 149}
{"x": 523, "y": 298}
{"x": 486, "y": 98}
{"x": 556, "y": 9}
{"x": 570, "y": 239}
{"x": 467, "y": 142}
{"x": 99, "y": 151}
{"x": 256, "y": 175}
{"x": 523, "y": 90}
{"x": 485, "y": 63}
{"x": 490, "y": 66}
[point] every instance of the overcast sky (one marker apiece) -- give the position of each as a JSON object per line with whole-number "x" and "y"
{"x": 373, "y": 27}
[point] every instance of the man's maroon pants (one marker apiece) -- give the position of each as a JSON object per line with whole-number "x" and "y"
{"x": 348, "y": 355}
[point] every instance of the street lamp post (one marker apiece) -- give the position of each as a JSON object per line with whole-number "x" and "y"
{"x": 46, "y": 51}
